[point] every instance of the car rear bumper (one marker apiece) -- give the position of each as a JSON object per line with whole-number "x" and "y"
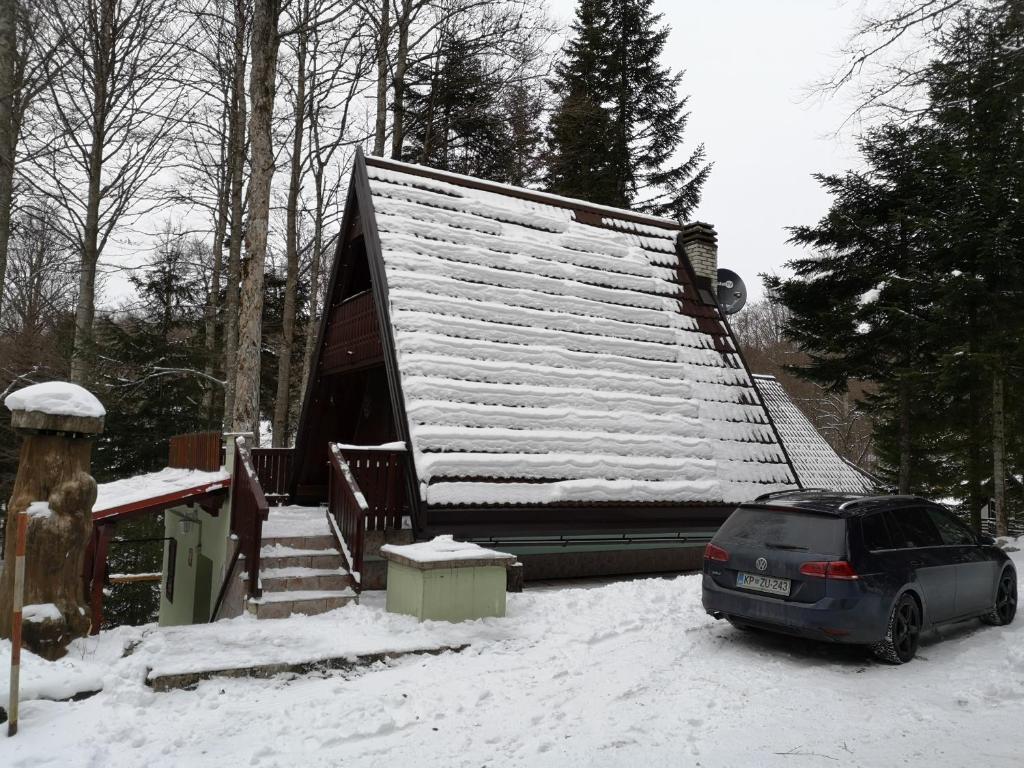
{"x": 856, "y": 618}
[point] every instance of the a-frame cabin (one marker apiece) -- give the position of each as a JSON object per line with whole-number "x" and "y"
{"x": 560, "y": 373}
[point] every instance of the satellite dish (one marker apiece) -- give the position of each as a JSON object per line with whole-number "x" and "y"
{"x": 732, "y": 293}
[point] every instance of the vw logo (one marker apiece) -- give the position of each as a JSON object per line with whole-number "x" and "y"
{"x": 762, "y": 564}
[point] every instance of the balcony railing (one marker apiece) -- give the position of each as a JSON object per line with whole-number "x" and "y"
{"x": 274, "y": 471}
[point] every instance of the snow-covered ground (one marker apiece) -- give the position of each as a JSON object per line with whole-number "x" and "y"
{"x": 631, "y": 674}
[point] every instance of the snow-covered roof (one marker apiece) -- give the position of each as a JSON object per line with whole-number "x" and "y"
{"x": 548, "y": 356}
{"x": 816, "y": 462}
{"x": 56, "y": 398}
{"x": 152, "y": 487}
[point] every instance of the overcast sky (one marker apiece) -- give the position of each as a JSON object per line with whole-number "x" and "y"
{"x": 748, "y": 67}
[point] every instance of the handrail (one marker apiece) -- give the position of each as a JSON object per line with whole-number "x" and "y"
{"x": 248, "y": 511}
{"x": 228, "y": 575}
{"x": 348, "y": 506}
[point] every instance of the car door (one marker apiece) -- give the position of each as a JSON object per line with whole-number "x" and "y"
{"x": 932, "y": 564}
{"x": 881, "y": 562}
{"x": 975, "y": 571}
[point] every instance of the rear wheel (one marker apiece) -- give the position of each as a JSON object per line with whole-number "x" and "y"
{"x": 900, "y": 643}
{"x": 1005, "y": 609}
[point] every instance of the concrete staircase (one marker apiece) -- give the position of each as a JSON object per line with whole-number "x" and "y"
{"x": 300, "y": 572}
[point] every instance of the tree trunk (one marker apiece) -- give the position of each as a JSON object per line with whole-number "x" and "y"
{"x": 85, "y": 311}
{"x": 55, "y": 469}
{"x": 975, "y": 495}
{"x": 236, "y": 166}
{"x": 401, "y": 62}
{"x": 380, "y": 125}
{"x": 264, "y": 44}
{"x": 999, "y": 453}
{"x": 906, "y": 437}
{"x": 314, "y": 284}
{"x": 8, "y": 132}
{"x": 212, "y": 301}
{"x": 284, "y": 358}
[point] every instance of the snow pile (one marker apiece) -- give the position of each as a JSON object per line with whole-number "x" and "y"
{"x": 56, "y": 398}
{"x": 530, "y": 343}
{"x": 629, "y": 673}
{"x": 443, "y": 548}
{"x": 167, "y": 481}
{"x": 39, "y": 509}
{"x": 41, "y": 679}
{"x": 40, "y": 612}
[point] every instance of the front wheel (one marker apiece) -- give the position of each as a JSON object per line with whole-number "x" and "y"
{"x": 901, "y": 637}
{"x": 1005, "y": 609}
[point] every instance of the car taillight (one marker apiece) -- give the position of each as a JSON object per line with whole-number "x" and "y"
{"x": 711, "y": 552}
{"x": 835, "y": 569}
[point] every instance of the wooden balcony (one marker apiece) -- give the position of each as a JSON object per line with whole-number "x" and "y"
{"x": 352, "y": 339}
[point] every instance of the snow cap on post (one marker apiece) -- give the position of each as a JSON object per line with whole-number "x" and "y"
{"x": 56, "y": 406}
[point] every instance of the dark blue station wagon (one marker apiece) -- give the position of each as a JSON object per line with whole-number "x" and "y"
{"x": 870, "y": 570}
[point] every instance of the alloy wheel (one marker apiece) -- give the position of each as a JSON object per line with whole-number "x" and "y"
{"x": 1006, "y": 598}
{"x": 906, "y": 629}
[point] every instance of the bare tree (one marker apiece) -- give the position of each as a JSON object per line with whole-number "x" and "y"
{"x": 237, "y": 143}
{"x": 212, "y": 158}
{"x": 26, "y": 48}
{"x": 265, "y": 41}
{"x": 883, "y": 60}
{"x": 113, "y": 102}
{"x": 332, "y": 93}
{"x": 9, "y": 12}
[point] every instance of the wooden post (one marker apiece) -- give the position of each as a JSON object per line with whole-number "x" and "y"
{"x": 53, "y": 479}
{"x": 99, "y": 570}
{"x": 19, "y": 596}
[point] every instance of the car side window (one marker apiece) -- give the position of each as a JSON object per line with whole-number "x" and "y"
{"x": 951, "y": 529}
{"x": 917, "y": 527}
{"x": 876, "y": 533}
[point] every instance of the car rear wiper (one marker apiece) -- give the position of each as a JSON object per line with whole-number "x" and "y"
{"x": 777, "y": 545}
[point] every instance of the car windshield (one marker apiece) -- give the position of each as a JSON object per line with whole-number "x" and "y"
{"x": 786, "y": 529}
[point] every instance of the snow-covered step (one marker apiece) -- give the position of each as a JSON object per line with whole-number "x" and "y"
{"x": 278, "y": 556}
{"x": 320, "y": 541}
{"x": 300, "y": 578}
{"x": 280, "y": 605}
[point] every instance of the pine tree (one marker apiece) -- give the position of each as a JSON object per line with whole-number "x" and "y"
{"x": 619, "y": 123}
{"x": 932, "y": 231}
{"x": 462, "y": 117}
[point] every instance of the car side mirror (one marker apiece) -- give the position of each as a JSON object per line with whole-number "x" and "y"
{"x": 986, "y": 541}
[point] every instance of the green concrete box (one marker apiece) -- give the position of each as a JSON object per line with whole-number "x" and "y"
{"x": 446, "y": 580}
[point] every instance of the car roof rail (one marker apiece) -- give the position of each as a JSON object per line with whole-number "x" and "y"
{"x": 881, "y": 497}
{"x": 773, "y": 494}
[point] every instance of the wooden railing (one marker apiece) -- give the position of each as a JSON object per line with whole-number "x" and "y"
{"x": 196, "y": 450}
{"x": 248, "y": 511}
{"x": 366, "y": 492}
{"x": 274, "y": 471}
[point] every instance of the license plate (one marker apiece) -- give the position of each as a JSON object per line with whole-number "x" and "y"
{"x": 769, "y": 584}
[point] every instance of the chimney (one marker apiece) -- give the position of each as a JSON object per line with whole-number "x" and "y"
{"x": 700, "y": 244}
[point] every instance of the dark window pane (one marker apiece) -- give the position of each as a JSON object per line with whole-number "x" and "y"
{"x": 917, "y": 527}
{"x": 803, "y": 531}
{"x": 951, "y": 529}
{"x": 876, "y": 533}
